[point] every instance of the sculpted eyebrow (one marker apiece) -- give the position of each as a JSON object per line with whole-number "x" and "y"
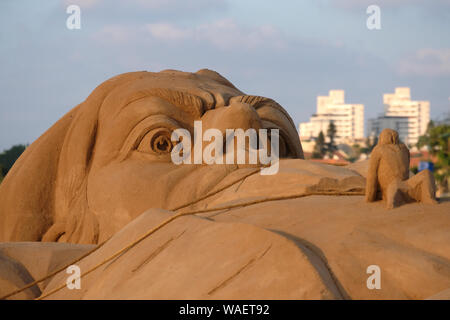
{"x": 254, "y": 101}
{"x": 258, "y": 102}
{"x": 190, "y": 103}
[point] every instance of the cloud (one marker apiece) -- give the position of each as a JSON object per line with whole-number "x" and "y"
{"x": 168, "y": 32}
{"x": 115, "y": 34}
{"x": 357, "y": 4}
{"x": 260, "y": 51}
{"x": 178, "y": 4}
{"x": 224, "y": 34}
{"x": 227, "y": 34}
{"x": 131, "y": 11}
{"x": 82, "y": 3}
{"x": 426, "y": 62}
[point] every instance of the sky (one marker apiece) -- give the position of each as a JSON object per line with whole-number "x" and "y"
{"x": 288, "y": 50}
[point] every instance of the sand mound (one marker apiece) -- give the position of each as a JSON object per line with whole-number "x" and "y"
{"x": 410, "y": 244}
{"x": 24, "y": 262}
{"x": 195, "y": 258}
{"x": 290, "y": 249}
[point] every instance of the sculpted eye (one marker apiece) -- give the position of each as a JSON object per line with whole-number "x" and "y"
{"x": 156, "y": 141}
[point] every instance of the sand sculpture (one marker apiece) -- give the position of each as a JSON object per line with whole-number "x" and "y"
{"x": 139, "y": 226}
{"x": 109, "y": 140}
{"x": 388, "y": 174}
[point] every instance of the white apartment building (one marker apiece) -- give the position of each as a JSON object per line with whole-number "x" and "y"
{"x": 409, "y": 118}
{"x": 348, "y": 119}
{"x": 399, "y": 124}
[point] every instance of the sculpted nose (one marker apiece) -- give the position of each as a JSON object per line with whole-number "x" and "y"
{"x": 237, "y": 115}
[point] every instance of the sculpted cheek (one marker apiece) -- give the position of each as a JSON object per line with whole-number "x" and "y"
{"x": 123, "y": 190}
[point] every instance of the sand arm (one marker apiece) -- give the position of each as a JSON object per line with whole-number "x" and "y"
{"x": 405, "y": 149}
{"x": 372, "y": 181}
{"x": 406, "y": 156}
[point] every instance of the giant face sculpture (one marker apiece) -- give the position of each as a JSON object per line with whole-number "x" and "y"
{"x": 108, "y": 160}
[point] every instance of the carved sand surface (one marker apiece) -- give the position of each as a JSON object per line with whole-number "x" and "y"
{"x": 99, "y": 190}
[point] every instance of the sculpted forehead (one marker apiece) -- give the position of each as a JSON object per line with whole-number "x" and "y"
{"x": 172, "y": 86}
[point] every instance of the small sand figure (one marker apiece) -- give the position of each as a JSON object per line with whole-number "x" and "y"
{"x": 388, "y": 175}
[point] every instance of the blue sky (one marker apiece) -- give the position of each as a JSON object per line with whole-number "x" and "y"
{"x": 291, "y": 51}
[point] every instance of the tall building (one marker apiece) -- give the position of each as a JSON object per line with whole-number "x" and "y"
{"x": 409, "y": 118}
{"x": 348, "y": 118}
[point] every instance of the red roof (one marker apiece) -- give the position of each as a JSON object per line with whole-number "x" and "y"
{"x": 416, "y": 157}
{"x": 336, "y": 162}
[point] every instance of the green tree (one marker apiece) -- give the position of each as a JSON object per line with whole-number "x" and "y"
{"x": 437, "y": 140}
{"x": 331, "y": 144}
{"x": 320, "y": 147}
{"x": 355, "y": 153}
{"x": 8, "y": 157}
{"x": 370, "y": 144}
